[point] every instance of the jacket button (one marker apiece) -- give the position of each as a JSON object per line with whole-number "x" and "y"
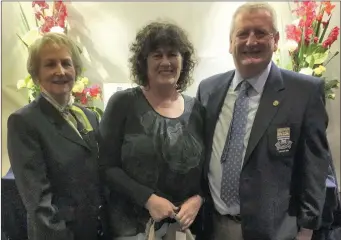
{"x": 100, "y": 207}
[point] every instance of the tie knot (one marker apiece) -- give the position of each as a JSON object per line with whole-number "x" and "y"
{"x": 244, "y": 87}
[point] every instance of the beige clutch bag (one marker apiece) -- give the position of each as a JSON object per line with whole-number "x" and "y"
{"x": 171, "y": 232}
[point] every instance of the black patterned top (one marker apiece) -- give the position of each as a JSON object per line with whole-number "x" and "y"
{"x": 143, "y": 153}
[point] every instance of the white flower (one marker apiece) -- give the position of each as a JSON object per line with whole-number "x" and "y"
{"x": 21, "y": 84}
{"x": 331, "y": 96}
{"x": 84, "y": 80}
{"x": 78, "y": 87}
{"x": 307, "y": 71}
{"x": 291, "y": 45}
{"x": 31, "y": 36}
{"x": 57, "y": 29}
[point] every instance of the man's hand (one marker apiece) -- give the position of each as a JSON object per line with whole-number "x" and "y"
{"x": 160, "y": 208}
{"x": 189, "y": 211}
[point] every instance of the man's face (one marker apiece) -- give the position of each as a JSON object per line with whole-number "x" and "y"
{"x": 253, "y": 42}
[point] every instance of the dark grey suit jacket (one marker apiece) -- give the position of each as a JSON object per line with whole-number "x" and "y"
{"x": 279, "y": 191}
{"x": 56, "y": 173}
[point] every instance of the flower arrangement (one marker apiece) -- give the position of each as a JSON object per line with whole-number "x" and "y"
{"x": 308, "y": 45}
{"x": 54, "y": 19}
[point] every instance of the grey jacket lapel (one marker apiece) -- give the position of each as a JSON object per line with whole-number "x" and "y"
{"x": 273, "y": 91}
{"x": 63, "y": 128}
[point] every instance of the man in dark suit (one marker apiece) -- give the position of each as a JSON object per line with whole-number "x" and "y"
{"x": 266, "y": 139}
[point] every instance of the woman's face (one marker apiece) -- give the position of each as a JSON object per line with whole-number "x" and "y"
{"x": 56, "y": 73}
{"x": 164, "y": 67}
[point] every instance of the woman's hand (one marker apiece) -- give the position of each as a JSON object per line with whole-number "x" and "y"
{"x": 160, "y": 208}
{"x": 189, "y": 211}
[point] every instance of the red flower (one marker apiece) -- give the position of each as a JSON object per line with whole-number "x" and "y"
{"x": 48, "y": 24}
{"x": 94, "y": 90}
{"x": 332, "y": 37}
{"x": 39, "y": 7}
{"x": 305, "y": 8}
{"x": 42, "y": 4}
{"x": 293, "y": 33}
{"x": 60, "y": 13}
{"x": 328, "y": 7}
{"x": 38, "y": 15}
{"x": 306, "y": 11}
{"x": 325, "y": 23}
{"x": 308, "y": 33}
{"x": 319, "y": 17}
{"x": 84, "y": 100}
{"x": 82, "y": 97}
{"x": 60, "y": 9}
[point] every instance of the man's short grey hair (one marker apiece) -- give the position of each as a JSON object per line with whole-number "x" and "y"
{"x": 254, "y": 6}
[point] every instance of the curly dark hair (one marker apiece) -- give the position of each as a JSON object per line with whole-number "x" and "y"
{"x": 160, "y": 34}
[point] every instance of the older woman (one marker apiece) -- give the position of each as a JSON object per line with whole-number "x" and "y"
{"x": 151, "y": 152}
{"x": 53, "y": 149}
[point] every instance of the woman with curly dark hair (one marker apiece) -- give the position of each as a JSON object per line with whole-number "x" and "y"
{"x": 152, "y": 151}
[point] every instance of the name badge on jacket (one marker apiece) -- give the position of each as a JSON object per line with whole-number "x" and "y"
{"x": 283, "y": 140}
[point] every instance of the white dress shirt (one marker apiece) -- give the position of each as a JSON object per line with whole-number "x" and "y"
{"x": 221, "y": 131}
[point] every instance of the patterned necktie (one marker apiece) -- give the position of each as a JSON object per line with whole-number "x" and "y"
{"x": 231, "y": 158}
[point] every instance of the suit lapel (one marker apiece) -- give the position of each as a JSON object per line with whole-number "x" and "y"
{"x": 62, "y": 126}
{"x": 213, "y": 109}
{"x": 273, "y": 91}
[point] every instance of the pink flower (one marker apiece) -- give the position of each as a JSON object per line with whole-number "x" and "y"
{"x": 293, "y": 33}
{"x": 332, "y": 37}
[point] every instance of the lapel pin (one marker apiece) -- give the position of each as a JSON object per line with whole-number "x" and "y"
{"x": 275, "y": 103}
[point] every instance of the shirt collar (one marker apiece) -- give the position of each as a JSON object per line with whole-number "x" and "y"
{"x": 256, "y": 82}
{"x": 50, "y": 99}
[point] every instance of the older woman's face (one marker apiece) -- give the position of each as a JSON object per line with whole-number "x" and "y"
{"x": 56, "y": 71}
{"x": 164, "y": 66}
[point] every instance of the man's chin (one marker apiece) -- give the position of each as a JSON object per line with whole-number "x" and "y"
{"x": 252, "y": 61}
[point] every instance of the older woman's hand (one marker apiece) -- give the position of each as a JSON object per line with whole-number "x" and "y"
{"x": 160, "y": 208}
{"x": 189, "y": 211}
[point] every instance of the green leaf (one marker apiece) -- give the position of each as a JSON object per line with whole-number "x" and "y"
{"x": 23, "y": 16}
{"x": 325, "y": 29}
{"x": 22, "y": 40}
{"x": 318, "y": 57}
{"x": 312, "y": 61}
{"x": 97, "y": 111}
{"x": 314, "y": 48}
{"x": 331, "y": 84}
{"x": 27, "y": 78}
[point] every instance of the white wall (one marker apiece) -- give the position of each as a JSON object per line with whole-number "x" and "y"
{"x": 106, "y": 29}
{"x": 108, "y": 35}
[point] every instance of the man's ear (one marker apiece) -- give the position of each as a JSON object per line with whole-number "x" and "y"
{"x": 276, "y": 40}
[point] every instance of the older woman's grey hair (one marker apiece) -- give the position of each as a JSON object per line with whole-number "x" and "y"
{"x": 54, "y": 39}
{"x": 161, "y": 35}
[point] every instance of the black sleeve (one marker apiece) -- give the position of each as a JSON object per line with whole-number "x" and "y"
{"x": 111, "y": 131}
{"x": 29, "y": 168}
